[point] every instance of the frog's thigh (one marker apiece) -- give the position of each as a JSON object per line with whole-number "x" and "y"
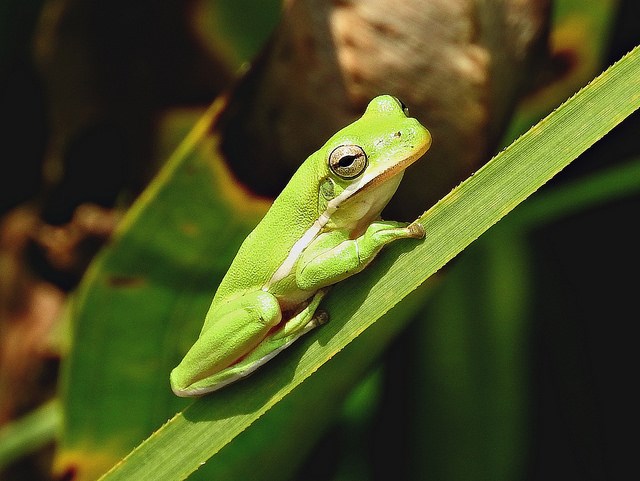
{"x": 243, "y": 324}
{"x": 299, "y": 325}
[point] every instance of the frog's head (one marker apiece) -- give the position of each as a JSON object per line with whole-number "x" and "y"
{"x": 366, "y": 160}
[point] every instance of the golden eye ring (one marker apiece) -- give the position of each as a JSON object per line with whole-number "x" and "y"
{"x": 348, "y": 161}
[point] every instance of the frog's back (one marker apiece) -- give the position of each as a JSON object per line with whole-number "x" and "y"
{"x": 293, "y": 212}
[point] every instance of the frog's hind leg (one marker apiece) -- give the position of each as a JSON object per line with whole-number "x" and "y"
{"x": 303, "y": 322}
{"x": 230, "y": 334}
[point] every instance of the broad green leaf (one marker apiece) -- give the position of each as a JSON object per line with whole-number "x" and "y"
{"x": 142, "y": 302}
{"x": 201, "y": 430}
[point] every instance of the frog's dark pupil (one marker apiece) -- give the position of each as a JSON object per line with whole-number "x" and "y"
{"x": 347, "y": 160}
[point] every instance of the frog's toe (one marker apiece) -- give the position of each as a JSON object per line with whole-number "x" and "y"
{"x": 321, "y": 317}
{"x": 416, "y": 230}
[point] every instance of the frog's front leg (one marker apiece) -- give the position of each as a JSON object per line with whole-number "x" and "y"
{"x": 333, "y": 256}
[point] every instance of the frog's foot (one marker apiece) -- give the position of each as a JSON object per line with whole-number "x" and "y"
{"x": 321, "y": 317}
{"x": 416, "y": 230}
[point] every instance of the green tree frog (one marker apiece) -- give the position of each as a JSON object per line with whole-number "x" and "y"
{"x": 324, "y": 227}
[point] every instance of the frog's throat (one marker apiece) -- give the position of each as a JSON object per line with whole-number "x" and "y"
{"x": 311, "y": 233}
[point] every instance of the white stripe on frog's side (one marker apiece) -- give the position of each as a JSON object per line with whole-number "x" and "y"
{"x": 313, "y": 231}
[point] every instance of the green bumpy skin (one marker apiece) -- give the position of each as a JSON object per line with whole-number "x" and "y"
{"x": 324, "y": 227}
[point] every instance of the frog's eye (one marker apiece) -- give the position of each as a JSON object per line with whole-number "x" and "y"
{"x": 348, "y": 161}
